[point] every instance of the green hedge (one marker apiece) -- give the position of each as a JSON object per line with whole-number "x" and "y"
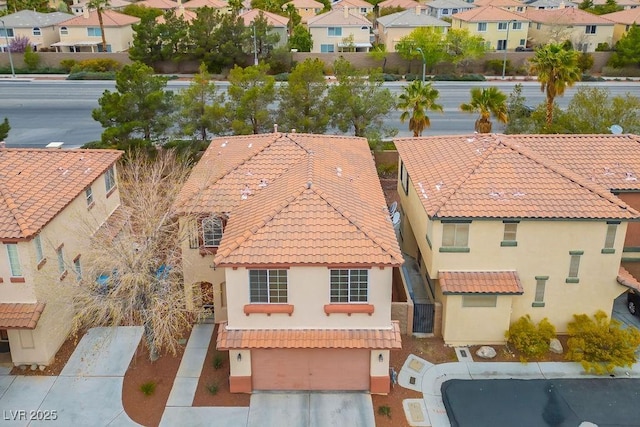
{"x": 90, "y": 75}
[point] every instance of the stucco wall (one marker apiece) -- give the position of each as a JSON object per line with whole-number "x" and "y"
{"x": 632, "y": 239}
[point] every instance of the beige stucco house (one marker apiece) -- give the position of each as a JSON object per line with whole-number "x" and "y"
{"x": 585, "y": 30}
{"x": 291, "y": 242}
{"x": 500, "y": 28}
{"x": 39, "y": 28}
{"x": 358, "y": 6}
{"x": 279, "y": 24}
{"x": 510, "y": 5}
{"x": 83, "y": 33}
{"x": 78, "y": 6}
{"x": 52, "y": 202}
{"x": 305, "y": 8}
{"x": 390, "y": 29}
{"x": 219, "y": 5}
{"x": 622, "y": 21}
{"x": 340, "y": 30}
{"x": 445, "y": 8}
{"x": 500, "y": 231}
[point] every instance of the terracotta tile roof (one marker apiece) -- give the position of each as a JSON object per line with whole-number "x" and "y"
{"x": 158, "y": 4}
{"x": 110, "y": 18}
{"x": 497, "y": 176}
{"x": 309, "y": 199}
{"x": 180, "y": 12}
{"x": 627, "y": 16}
{"x": 309, "y": 338}
{"x": 305, "y": 4}
{"x": 336, "y": 18}
{"x": 214, "y": 4}
{"x": 409, "y": 19}
{"x": 613, "y": 161}
{"x": 272, "y": 19}
{"x": 499, "y": 3}
{"x": 480, "y": 282}
{"x": 626, "y": 279}
{"x": 20, "y": 316}
{"x": 340, "y": 4}
{"x": 36, "y": 185}
{"x": 406, "y": 4}
{"x": 489, "y": 14}
{"x": 566, "y": 16}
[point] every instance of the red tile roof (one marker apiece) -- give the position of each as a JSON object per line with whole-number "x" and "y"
{"x": 566, "y": 16}
{"x": 294, "y": 199}
{"x": 110, "y": 18}
{"x": 497, "y": 176}
{"x": 626, "y": 279}
{"x": 489, "y": 14}
{"x": 20, "y": 316}
{"x": 272, "y": 19}
{"x": 627, "y": 16}
{"x": 36, "y": 185}
{"x": 309, "y": 338}
{"x": 499, "y": 3}
{"x": 480, "y": 282}
{"x": 214, "y": 4}
{"x": 158, "y": 4}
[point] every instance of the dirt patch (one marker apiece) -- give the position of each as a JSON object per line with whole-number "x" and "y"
{"x": 59, "y": 361}
{"x": 213, "y": 387}
{"x": 143, "y": 409}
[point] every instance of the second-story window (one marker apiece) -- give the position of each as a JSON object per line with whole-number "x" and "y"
{"x": 60, "y": 254}
{"x": 110, "y": 179}
{"x": 610, "y": 238}
{"x": 89, "y": 195}
{"x": 334, "y": 31}
{"x": 516, "y": 26}
{"x": 510, "y": 234}
{"x": 482, "y": 26}
{"x": 14, "y": 260}
{"x": 64, "y": 31}
{"x": 455, "y": 234}
{"x": 37, "y": 242}
{"x": 349, "y": 286}
{"x": 268, "y": 286}
{"x": 502, "y": 26}
{"x": 574, "y": 266}
{"x": 212, "y": 229}
{"x": 94, "y": 32}
{"x": 590, "y": 29}
{"x": 36, "y": 31}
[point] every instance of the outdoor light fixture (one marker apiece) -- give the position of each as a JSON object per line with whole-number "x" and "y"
{"x": 239, "y": 357}
{"x": 380, "y": 358}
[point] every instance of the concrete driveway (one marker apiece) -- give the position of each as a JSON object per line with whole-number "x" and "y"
{"x": 311, "y": 410}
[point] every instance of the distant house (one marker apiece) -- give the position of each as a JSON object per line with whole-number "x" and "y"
{"x": 549, "y": 4}
{"x": 622, "y": 20}
{"x": 78, "y": 6}
{"x": 445, "y": 8}
{"x": 293, "y": 246}
{"x": 583, "y": 29}
{"x": 38, "y": 27}
{"x": 391, "y": 28}
{"x": 220, "y": 5}
{"x": 186, "y": 15}
{"x": 510, "y": 5}
{"x": 83, "y": 33}
{"x": 305, "y": 8}
{"x": 278, "y": 23}
{"x": 52, "y": 202}
{"x": 405, "y": 4}
{"x": 492, "y": 24}
{"x": 625, "y": 4}
{"x": 359, "y": 6}
{"x": 159, "y": 4}
{"x": 502, "y": 227}
{"x": 339, "y": 31}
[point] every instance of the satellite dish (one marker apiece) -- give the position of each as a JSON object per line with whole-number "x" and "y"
{"x": 395, "y": 219}
{"x": 616, "y": 129}
{"x": 393, "y": 208}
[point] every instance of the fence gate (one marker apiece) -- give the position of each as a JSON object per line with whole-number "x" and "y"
{"x": 423, "y": 315}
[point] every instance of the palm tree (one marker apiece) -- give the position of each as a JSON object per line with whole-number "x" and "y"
{"x": 99, "y": 6}
{"x": 556, "y": 68}
{"x": 487, "y": 101}
{"x": 417, "y": 99}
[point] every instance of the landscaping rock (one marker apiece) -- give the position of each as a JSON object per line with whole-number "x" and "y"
{"x": 42, "y": 367}
{"x": 23, "y": 367}
{"x": 34, "y": 367}
{"x": 556, "y": 346}
{"x": 486, "y": 352}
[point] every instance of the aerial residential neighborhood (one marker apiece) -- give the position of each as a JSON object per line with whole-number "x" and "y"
{"x": 316, "y": 213}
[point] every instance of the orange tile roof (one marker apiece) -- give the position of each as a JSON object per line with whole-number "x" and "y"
{"x": 497, "y": 176}
{"x": 340, "y": 4}
{"x": 480, "y": 282}
{"x": 20, "y": 316}
{"x": 566, "y": 16}
{"x": 214, "y": 4}
{"x": 272, "y": 19}
{"x": 627, "y": 16}
{"x": 309, "y": 338}
{"x": 336, "y": 17}
{"x": 36, "y": 185}
{"x": 626, "y": 279}
{"x": 499, "y": 3}
{"x": 110, "y": 18}
{"x": 158, "y": 4}
{"x": 613, "y": 161}
{"x": 308, "y": 199}
{"x": 304, "y": 4}
{"x": 489, "y": 14}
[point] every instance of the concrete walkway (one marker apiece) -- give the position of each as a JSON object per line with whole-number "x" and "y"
{"x": 425, "y": 377}
{"x": 88, "y": 391}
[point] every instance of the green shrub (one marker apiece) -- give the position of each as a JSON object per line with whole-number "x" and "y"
{"x": 68, "y": 64}
{"x": 603, "y": 47}
{"x": 31, "y": 58}
{"x": 529, "y": 339}
{"x": 601, "y": 344}
{"x": 390, "y": 77}
{"x": 460, "y": 78}
{"x": 282, "y": 77}
{"x": 89, "y": 75}
{"x": 590, "y": 78}
{"x": 98, "y": 65}
{"x": 585, "y": 62}
{"x": 621, "y": 72}
{"x": 411, "y": 77}
{"x": 218, "y": 360}
{"x": 389, "y": 169}
{"x": 384, "y": 410}
{"x": 494, "y": 66}
{"x": 148, "y": 388}
{"x": 213, "y": 388}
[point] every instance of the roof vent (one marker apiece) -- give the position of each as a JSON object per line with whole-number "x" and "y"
{"x": 275, "y": 128}
{"x": 308, "y": 184}
{"x": 55, "y": 144}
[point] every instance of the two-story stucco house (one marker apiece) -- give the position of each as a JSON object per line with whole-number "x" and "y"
{"x": 445, "y": 8}
{"x": 501, "y": 230}
{"x": 340, "y": 30}
{"x": 278, "y": 23}
{"x": 38, "y": 27}
{"x": 52, "y": 201}
{"x": 622, "y": 22}
{"x": 292, "y": 234}
{"x": 84, "y": 34}
{"x": 392, "y": 28}
{"x": 501, "y": 29}
{"x": 305, "y": 8}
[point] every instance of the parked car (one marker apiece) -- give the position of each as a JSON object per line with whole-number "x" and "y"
{"x": 633, "y": 302}
{"x": 524, "y": 49}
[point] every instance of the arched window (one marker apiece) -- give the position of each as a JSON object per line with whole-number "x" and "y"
{"x": 64, "y": 31}
{"x": 212, "y": 228}
{"x": 36, "y": 31}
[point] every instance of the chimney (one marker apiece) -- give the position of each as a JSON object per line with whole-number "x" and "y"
{"x": 85, "y": 11}
{"x": 346, "y": 11}
{"x": 561, "y": 5}
{"x": 418, "y": 10}
{"x": 3, "y": 144}
{"x": 55, "y": 144}
{"x": 275, "y": 128}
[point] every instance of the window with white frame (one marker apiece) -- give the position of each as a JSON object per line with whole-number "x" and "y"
{"x": 6, "y": 32}
{"x": 541, "y": 283}
{"x": 212, "y": 229}
{"x": 268, "y": 286}
{"x": 479, "y": 300}
{"x": 349, "y": 286}
{"x": 502, "y": 26}
{"x": 14, "y": 259}
{"x": 445, "y": 11}
{"x": 523, "y": 42}
{"x": 64, "y": 31}
{"x": 482, "y": 26}
{"x": 334, "y": 31}
{"x": 363, "y": 10}
{"x": 590, "y": 29}
{"x": 36, "y": 31}
{"x": 110, "y": 179}
{"x": 94, "y": 32}
{"x": 88, "y": 193}
{"x": 37, "y": 243}
{"x": 516, "y": 26}
{"x": 520, "y": 9}
{"x": 455, "y": 234}
{"x": 404, "y": 178}
{"x": 327, "y": 48}
{"x": 454, "y": 11}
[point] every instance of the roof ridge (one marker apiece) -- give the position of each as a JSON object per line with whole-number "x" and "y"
{"x": 447, "y": 194}
{"x": 566, "y": 173}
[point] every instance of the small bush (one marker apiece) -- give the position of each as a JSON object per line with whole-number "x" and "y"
{"x": 411, "y": 77}
{"x": 218, "y": 361}
{"x": 87, "y": 75}
{"x": 282, "y": 77}
{"x": 31, "y": 58}
{"x": 390, "y": 169}
{"x": 98, "y": 65}
{"x": 529, "y": 339}
{"x": 585, "y": 62}
{"x": 213, "y": 388}
{"x": 590, "y": 78}
{"x": 621, "y": 72}
{"x": 390, "y": 77}
{"x": 494, "y": 66}
{"x": 603, "y": 47}
{"x": 601, "y": 344}
{"x": 148, "y": 388}
{"x": 384, "y": 410}
{"x": 68, "y": 64}
{"x": 460, "y": 78}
